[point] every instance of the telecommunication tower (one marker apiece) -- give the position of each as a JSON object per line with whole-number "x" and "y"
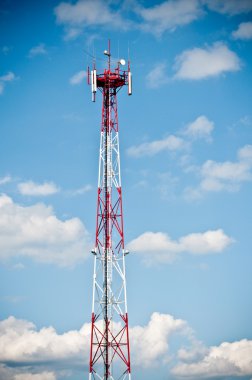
{"x": 109, "y": 348}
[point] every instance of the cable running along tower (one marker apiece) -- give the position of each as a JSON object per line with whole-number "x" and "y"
{"x": 109, "y": 348}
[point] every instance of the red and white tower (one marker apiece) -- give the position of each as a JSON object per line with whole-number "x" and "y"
{"x": 109, "y": 348}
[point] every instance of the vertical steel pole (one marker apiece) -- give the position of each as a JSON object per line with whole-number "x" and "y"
{"x": 109, "y": 348}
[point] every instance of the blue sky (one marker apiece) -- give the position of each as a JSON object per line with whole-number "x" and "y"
{"x": 186, "y": 161}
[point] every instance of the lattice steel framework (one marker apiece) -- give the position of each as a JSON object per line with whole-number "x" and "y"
{"x": 109, "y": 348}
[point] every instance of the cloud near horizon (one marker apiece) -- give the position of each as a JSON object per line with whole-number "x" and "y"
{"x": 223, "y": 361}
{"x": 28, "y": 353}
{"x": 23, "y": 345}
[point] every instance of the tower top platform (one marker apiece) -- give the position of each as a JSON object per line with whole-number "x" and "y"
{"x": 114, "y": 78}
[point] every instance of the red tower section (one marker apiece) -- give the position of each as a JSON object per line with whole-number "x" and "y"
{"x": 109, "y": 348}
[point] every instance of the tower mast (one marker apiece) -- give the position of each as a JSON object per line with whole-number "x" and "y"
{"x": 109, "y": 347}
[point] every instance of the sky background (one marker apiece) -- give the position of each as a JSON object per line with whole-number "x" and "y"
{"x": 186, "y": 164}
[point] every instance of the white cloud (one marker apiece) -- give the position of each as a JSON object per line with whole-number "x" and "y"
{"x": 82, "y": 190}
{"x": 157, "y": 76}
{"x": 13, "y": 373}
{"x": 9, "y": 77}
{"x": 5, "y": 179}
{"x": 150, "y": 343}
{"x": 159, "y": 247}
{"x": 38, "y": 376}
{"x": 86, "y": 13}
{"x": 35, "y": 232}
{"x": 222, "y": 172}
{"x": 38, "y": 50}
{"x": 196, "y": 352}
{"x": 169, "y": 15}
{"x": 23, "y": 345}
{"x": 224, "y": 176}
{"x": 36, "y": 189}
{"x": 170, "y": 143}
{"x": 72, "y": 33}
{"x": 230, "y": 7}
{"x": 38, "y": 354}
{"x": 244, "y": 31}
{"x": 156, "y": 19}
{"x": 245, "y": 154}
{"x": 78, "y": 77}
{"x": 199, "y": 63}
{"x": 225, "y": 360}
{"x": 200, "y": 128}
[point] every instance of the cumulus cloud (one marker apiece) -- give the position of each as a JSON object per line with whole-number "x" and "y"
{"x": 170, "y": 143}
{"x": 37, "y": 50}
{"x": 244, "y": 31}
{"x": 78, "y": 78}
{"x": 225, "y": 360}
{"x": 200, "y": 128}
{"x": 158, "y": 247}
{"x": 9, "y": 77}
{"x": 169, "y": 15}
{"x": 196, "y": 352}
{"x": 156, "y": 19}
{"x": 24, "y": 345}
{"x": 157, "y": 76}
{"x": 41, "y": 354}
{"x": 150, "y": 343}
{"x": 86, "y": 13}
{"x": 36, "y": 189}
{"x": 224, "y": 176}
{"x": 230, "y": 7}
{"x": 35, "y": 232}
{"x": 200, "y": 63}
